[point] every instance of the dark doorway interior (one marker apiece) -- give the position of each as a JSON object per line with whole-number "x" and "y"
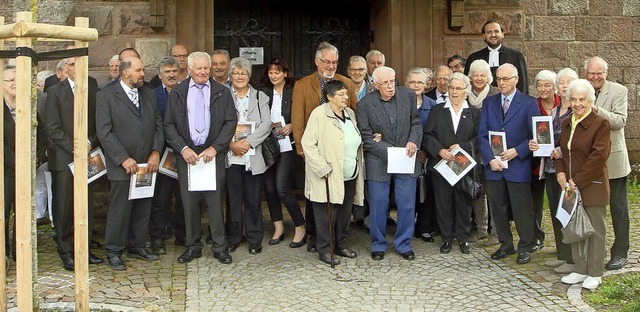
{"x": 284, "y": 28}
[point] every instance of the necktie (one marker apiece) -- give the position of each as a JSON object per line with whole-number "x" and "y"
{"x": 444, "y": 98}
{"x": 505, "y": 106}
{"x": 199, "y": 109}
{"x": 133, "y": 95}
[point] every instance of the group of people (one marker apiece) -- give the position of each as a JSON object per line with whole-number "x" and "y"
{"x": 343, "y": 127}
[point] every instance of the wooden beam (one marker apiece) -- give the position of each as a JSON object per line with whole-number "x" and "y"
{"x": 25, "y": 175}
{"x": 3, "y": 264}
{"x": 80, "y": 213}
{"x": 29, "y": 29}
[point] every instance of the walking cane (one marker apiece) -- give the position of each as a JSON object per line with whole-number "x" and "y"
{"x": 326, "y": 182}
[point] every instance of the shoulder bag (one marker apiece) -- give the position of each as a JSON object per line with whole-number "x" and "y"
{"x": 270, "y": 145}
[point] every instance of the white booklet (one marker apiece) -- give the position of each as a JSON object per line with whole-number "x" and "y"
{"x": 168, "y": 164}
{"x": 567, "y": 205}
{"x": 142, "y": 184}
{"x": 96, "y": 165}
{"x": 202, "y": 176}
{"x": 454, "y": 170}
{"x": 399, "y": 162}
{"x": 498, "y": 143}
{"x": 283, "y": 140}
{"x": 543, "y": 134}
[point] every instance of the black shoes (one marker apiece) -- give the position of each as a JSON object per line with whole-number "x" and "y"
{"x": 157, "y": 247}
{"x": 298, "y": 244}
{"x": 277, "y": 240}
{"x": 409, "y": 255}
{"x": 94, "y": 245}
{"x": 93, "y": 259}
{"x": 326, "y": 258}
{"x": 189, "y": 255}
{"x": 223, "y": 257}
{"x": 445, "y": 248}
{"x": 502, "y": 253}
{"x": 311, "y": 245}
{"x": 377, "y": 255}
{"x": 142, "y": 254}
{"x": 616, "y": 263}
{"x": 523, "y": 257}
{"x": 346, "y": 252}
{"x": 231, "y": 247}
{"x": 116, "y": 263}
{"x": 537, "y": 246}
{"x": 255, "y": 249}
{"x": 465, "y": 247}
{"x": 68, "y": 264}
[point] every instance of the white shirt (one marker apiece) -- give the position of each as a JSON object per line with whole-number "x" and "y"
{"x": 455, "y": 118}
{"x": 494, "y": 56}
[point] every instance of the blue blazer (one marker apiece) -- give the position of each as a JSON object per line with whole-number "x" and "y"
{"x": 517, "y": 125}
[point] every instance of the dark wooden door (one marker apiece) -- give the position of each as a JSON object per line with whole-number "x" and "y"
{"x": 284, "y": 28}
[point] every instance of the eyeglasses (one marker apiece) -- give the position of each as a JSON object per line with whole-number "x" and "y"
{"x": 602, "y": 73}
{"x": 388, "y": 83}
{"x": 417, "y": 83}
{"x": 456, "y": 88}
{"x": 358, "y": 70}
{"x": 505, "y": 79}
{"x": 327, "y": 62}
{"x": 10, "y": 80}
{"x": 240, "y": 74}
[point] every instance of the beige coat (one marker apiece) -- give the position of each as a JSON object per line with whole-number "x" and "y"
{"x": 323, "y": 143}
{"x": 612, "y": 105}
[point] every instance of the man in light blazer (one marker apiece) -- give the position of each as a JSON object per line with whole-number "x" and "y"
{"x": 391, "y": 112}
{"x": 510, "y": 111}
{"x": 611, "y": 103}
{"x": 58, "y": 125}
{"x": 129, "y": 128}
{"x": 211, "y": 144}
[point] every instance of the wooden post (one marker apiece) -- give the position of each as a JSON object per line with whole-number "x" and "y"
{"x": 3, "y": 264}
{"x": 80, "y": 147}
{"x": 25, "y": 175}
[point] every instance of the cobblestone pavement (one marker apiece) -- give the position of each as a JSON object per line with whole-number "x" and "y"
{"x": 286, "y": 279}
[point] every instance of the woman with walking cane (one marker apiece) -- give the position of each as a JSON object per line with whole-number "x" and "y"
{"x": 334, "y": 178}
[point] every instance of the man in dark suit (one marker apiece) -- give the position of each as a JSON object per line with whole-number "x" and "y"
{"x": 510, "y": 111}
{"x": 391, "y": 112}
{"x": 129, "y": 128}
{"x": 59, "y": 124}
{"x": 210, "y": 143}
{"x": 497, "y": 54}
{"x": 167, "y": 190}
{"x": 440, "y": 93}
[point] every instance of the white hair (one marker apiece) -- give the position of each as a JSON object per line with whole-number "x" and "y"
{"x": 546, "y": 75}
{"x": 581, "y": 86}
{"x": 567, "y": 72}
{"x": 597, "y": 59}
{"x": 513, "y": 69}
{"x": 198, "y": 55}
{"x": 481, "y": 66}
{"x": 382, "y": 69}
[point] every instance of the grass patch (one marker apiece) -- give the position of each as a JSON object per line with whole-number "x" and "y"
{"x": 616, "y": 293}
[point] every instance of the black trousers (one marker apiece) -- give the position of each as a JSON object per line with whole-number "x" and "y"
{"x": 426, "y": 215}
{"x": 192, "y": 202}
{"x": 619, "y": 216}
{"x": 63, "y": 210}
{"x": 9, "y": 204}
{"x": 245, "y": 205}
{"x": 503, "y": 193}
{"x": 277, "y": 189}
{"x": 340, "y": 218}
{"x": 166, "y": 195}
{"x": 563, "y": 250}
{"x": 127, "y": 220}
{"x": 454, "y": 210}
{"x": 537, "y": 192}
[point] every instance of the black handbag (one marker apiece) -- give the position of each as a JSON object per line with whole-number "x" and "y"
{"x": 469, "y": 186}
{"x": 270, "y": 145}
